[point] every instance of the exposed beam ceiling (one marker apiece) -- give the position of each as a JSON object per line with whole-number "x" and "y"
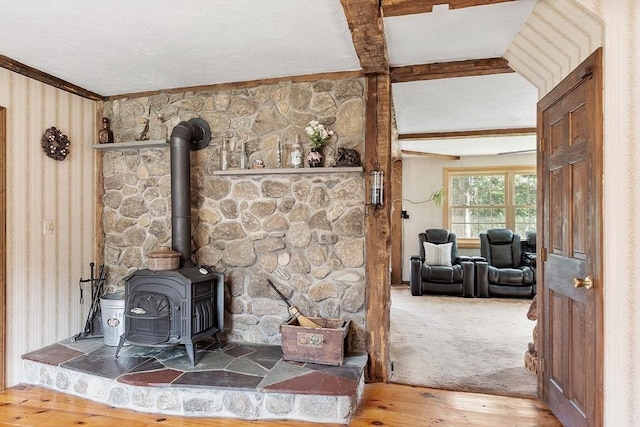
{"x": 474, "y": 146}
{"x": 446, "y": 70}
{"x": 468, "y": 133}
{"x": 365, "y": 24}
{"x": 443, "y": 57}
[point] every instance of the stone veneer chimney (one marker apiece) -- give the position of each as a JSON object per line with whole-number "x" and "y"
{"x": 305, "y": 231}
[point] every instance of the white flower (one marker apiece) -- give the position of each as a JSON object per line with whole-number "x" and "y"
{"x": 318, "y": 134}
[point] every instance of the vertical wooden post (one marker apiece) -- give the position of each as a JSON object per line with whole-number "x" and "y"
{"x": 98, "y": 226}
{"x": 378, "y": 226}
{"x": 396, "y": 221}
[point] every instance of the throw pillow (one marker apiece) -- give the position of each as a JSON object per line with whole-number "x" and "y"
{"x": 437, "y": 254}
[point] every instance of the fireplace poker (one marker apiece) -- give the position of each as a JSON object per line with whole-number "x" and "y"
{"x": 91, "y": 280}
{"x": 302, "y": 320}
{"x": 97, "y": 286}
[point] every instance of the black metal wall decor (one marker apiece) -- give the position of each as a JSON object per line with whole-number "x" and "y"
{"x": 55, "y": 144}
{"x": 347, "y": 157}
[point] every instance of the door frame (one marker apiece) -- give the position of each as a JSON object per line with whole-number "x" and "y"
{"x": 3, "y": 248}
{"x": 591, "y": 68}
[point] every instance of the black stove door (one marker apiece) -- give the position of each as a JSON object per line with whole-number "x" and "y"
{"x": 148, "y": 318}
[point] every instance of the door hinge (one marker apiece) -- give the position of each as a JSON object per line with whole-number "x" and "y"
{"x": 541, "y": 363}
{"x": 543, "y": 254}
{"x": 587, "y": 73}
{"x": 541, "y": 144}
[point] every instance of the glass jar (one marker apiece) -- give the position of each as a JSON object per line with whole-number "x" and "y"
{"x": 296, "y": 154}
{"x": 105, "y": 136}
{"x": 224, "y": 162}
{"x": 243, "y": 163}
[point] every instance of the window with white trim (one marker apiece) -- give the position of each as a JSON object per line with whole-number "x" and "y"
{"x": 479, "y": 199}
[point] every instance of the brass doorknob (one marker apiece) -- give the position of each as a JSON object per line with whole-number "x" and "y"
{"x": 587, "y": 282}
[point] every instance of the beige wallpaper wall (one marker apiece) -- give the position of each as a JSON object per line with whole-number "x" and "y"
{"x": 43, "y": 269}
{"x": 621, "y": 210}
{"x": 559, "y": 35}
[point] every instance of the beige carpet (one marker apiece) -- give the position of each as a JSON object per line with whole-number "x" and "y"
{"x": 462, "y": 344}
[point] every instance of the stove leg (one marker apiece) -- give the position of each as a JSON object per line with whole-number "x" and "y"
{"x": 120, "y": 344}
{"x": 191, "y": 352}
{"x": 217, "y": 336}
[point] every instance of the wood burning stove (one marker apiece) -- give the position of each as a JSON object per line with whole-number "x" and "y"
{"x": 167, "y": 308}
{"x": 184, "y": 306}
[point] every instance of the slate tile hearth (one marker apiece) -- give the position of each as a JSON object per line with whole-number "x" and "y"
{"x": 247, "y": 367}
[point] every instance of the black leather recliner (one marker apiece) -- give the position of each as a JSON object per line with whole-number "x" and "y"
{"x": 503, "y": 274}
{"x": 529, "y": 249}
{"x": 530, "y": 242}
{"x": 455, "y": 279}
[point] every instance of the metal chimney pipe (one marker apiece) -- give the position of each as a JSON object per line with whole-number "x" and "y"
{"x": 192, "y": 135}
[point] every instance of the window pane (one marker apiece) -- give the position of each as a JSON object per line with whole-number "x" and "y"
{"x": 498, "y": 216}
{"x": 458, "y": 229}
{"x": 458, "y": 215}
{"x": 525, "y": 189}
{"x": 472, "y": 190}
{"x": 478, "y": 202}
{"x": 525, "y": 220}
{"x": 497, "y": 197}
{"x": 459, "y": 191}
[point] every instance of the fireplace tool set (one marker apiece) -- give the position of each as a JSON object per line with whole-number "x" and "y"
{"x": 93, "y": 325}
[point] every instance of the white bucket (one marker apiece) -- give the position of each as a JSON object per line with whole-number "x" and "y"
{"x": 112, "y": 307}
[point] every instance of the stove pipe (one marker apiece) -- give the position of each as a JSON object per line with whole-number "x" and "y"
{"x": 194, "y": 134}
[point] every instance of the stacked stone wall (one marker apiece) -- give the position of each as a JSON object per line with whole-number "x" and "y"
{"x": 303, "y": 231}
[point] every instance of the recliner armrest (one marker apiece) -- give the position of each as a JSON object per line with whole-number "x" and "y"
{"x": 468, "y": 279}
{"x": 482, "y": 279}
{"x": 415, "y": 278}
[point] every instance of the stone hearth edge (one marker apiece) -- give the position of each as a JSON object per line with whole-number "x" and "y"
{"x": 199, "y": 401}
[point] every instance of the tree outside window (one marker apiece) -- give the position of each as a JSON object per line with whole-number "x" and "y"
{"x": 481, "y": 199}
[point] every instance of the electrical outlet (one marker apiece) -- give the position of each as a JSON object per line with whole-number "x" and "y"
{"x": 47, "y": 226}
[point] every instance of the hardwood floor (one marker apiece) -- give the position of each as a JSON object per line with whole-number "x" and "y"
{"x": 382, "y": 405}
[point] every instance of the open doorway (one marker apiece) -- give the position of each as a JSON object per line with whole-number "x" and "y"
{"x": 466, "y": 344}
{"x": 461, "y": 117}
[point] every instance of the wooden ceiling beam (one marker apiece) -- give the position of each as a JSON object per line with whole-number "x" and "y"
{"x": 411, "y": 7}
{"x": 447, "y": 70}
{"x": 468, "y": 133}
{"x": 367, "y": 31}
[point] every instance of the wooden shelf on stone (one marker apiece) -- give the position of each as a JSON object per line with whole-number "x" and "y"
{"x": 284, "y": 171}
{"x": 132, "y": 145}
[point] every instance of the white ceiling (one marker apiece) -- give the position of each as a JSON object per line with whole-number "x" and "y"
{"x": 475, "y": 146}
{"x": 453, "y": 35}
{"x": 113, "y": 47}
{"x": 496, "y": 101}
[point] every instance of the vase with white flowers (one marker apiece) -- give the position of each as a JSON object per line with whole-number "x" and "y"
{"x": 319, "y": 136}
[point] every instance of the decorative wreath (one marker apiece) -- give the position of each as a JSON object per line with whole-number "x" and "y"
{"x": 55, "y": 144}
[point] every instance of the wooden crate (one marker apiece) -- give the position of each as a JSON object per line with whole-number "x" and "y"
{"x": 325, "y": 345}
